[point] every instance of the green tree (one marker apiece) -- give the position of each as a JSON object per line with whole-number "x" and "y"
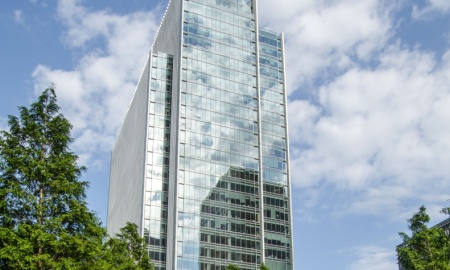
{"x": 426, "y": 248}
{"x": 45, "y": 223}
{"x": 232, "y": 267}
{"x": 264, "y": 267}
{"x": 44, "y": 219}
{"x": 126, "y": 250}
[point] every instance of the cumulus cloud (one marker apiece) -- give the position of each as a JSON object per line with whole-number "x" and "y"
{"x": 367, "y": 114}
{"x": 432, "y": 7}
{"x": 374, "y": 258}
{"x": 324, "y": 38}
{"x": 380, "y": 131}
{"x": 96, "y": 93}
{"x": 370, "y": 119}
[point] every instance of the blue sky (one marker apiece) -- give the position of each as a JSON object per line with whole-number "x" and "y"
{"x": 369, "y": 106}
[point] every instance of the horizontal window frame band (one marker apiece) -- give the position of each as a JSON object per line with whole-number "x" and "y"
{"x": 243, "y": 14}
{"x": 221, "y": 66}
{"x": 238, "y": 48}
{"x": 244, "y": 44}
{"x": 233, "y": 93}
{"x": 215, "y": 77}
{"x": 250, "y": 54}
{"x": 243, "y": 20}
{"x": 245, "y": 30}
{"x": 222, "y": 114}
{"x": 192, "y": 131}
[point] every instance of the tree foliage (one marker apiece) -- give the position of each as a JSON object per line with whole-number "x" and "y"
{"x": 232, "y": 267}
{"x": 44, "y": 219}
{"x": 127, "y": 250}
{"x": 426, "y": 248}
{"x": 264, "y": 267}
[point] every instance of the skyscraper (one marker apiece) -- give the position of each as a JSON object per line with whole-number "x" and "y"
{"x": 202, "y": 160}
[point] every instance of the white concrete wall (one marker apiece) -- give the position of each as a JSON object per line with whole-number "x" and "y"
{"x": 125, "y": 200}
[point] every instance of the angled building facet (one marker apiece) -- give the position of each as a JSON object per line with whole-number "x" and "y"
{"x": 201, "y": 163}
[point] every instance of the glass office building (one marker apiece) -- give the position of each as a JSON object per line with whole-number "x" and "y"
{"x": 201, "y": 163}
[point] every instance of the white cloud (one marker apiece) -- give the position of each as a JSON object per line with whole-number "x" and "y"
{"x": 380, "y": 135}
{"x": 327, "y": 36}
{"x": 372, "y": 124}
{"x": 96, "y": 93}
{"x": 18, "y": 16}
{"x": 432, "y": 7}
{"x": 303, "y": 117}
{"x": 374, "y": 258}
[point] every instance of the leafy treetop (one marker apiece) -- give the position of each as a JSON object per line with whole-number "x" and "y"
{"x": 426, "y": 248}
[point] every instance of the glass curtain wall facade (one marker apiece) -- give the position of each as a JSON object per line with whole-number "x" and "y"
{"x": 277, "y": 225}
{"x": 215, "y": 177}
{"x": 158, "y": 149}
